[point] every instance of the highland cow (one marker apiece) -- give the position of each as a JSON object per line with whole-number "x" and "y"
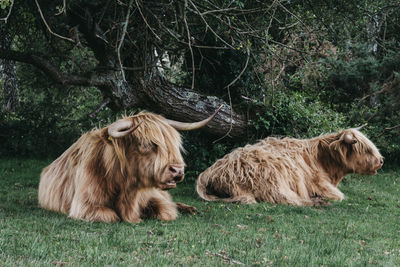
{"x": 119, "y": 172}
{"x": 299, "y": 172}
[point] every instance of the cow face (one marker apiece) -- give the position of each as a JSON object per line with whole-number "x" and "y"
{"x": 159, "y": 161}
{"x": 151, "y": 153}
{"x": 357, "y": 153}
{"x": 148, "y": 148}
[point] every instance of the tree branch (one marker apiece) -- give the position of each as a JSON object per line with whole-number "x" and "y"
{"x": 48, "y": 27}
{"x": 190, "y": 48}
{"x": 9, "y": 12}
{"x": 50, "y": 70}
{"x": 122, "y": 39}
{"x": 155, "y": 94}
{"x": 387, "y": 129}
{"x": 100, "y": 107}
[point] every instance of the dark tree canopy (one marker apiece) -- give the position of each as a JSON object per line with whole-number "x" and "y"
{"x": 278, "y": 67}
{"x": 127, "y": 46}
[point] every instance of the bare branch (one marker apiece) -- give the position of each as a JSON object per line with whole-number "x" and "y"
{"x": 145, "y": 20}
{"x": 387, "y": 129}
{"x": 63, "y": 10}
{"x": 122, "y": 39}
{"x": 9, "y": 12}
{"x": 231, "y": 118}
{"x": 177, "y": 37}
{"x": 208, "y": 26}
{"x": 190, "y": 48}
{"x": 243, "y": 70}
{"x": 48, "y": 27}
{"x": 288, "y": 11}
{"x": 105, "y": 102}
{"x": 49, "y": 69}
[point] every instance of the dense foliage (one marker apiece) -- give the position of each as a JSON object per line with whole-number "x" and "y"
{"x": 301, "y": 69}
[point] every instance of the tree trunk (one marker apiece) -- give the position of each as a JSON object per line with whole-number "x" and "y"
{"x": 183, "y": 104}
{"x": 8, "y": 74}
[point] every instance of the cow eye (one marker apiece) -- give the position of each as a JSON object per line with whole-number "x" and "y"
{"x": 147, "y": 147}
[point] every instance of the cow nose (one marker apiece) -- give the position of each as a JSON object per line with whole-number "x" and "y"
{"x": 381, "y": 161}
{"x": 177, "y": 172}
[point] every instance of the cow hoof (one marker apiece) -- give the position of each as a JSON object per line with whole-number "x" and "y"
{"x": 101, "y": 214}
{"x": 167, "y": 216}
{"x": 319, "y": 201}
{"x": 183, "y": 208}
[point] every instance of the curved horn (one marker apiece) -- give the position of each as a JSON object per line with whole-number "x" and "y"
{"x": 349, "y": 139}
{"x": 188, "y": 126}
{"x": 121, "y": 128}
{"x": 360, "y": 127}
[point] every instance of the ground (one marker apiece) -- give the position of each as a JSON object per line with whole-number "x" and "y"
{"x": 363, "y": 229}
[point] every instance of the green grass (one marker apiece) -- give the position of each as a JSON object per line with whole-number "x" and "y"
{"x": 363, "y": 229}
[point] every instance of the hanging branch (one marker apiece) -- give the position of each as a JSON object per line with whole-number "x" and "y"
{"x": 208, "y": 26}
{"x": 9, "y": 12}
{"x": 190, "y": 48}
{"x": 122, "y": 40}
{"x": 243, "y": 70}
{"x": 63, "y": 9}
{"x": 48, "y": 27}
{"x": 145, "y": 20}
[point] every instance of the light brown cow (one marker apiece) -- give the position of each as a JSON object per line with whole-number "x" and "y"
{"x": 292, "y": 171}
{"x": 119, "y": 172}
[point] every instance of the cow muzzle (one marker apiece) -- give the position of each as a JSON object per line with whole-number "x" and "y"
{"x": 176, "y": 174}
{"x": 378, "y": 164}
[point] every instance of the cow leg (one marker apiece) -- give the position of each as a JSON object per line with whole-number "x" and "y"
{"x": 319, "y": 201}
{"x": 291, "y": 198}
{"x": 128, "y": 205}
{"x": 242, "y": 197}
{"x": 90, "y": 203}
{"x": 183, "y": 208}
{"x": 94, "y": 214}
{"x": 167, "y": 209}
{"x": 101, "y": 214}
{"x": 155, "y": 203}
{"x": 147, "y": 203}
{"x": 81, "y": 209}
{"x": 287, "y": 196}
{"x": 328, "y": 190}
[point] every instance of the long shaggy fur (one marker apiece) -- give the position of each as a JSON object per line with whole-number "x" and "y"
{"x": 100, "y": 178}
{"x": 292, "y": 171}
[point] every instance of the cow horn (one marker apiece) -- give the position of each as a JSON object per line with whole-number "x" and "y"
{"x": 349, "y": 139}
{"x": 121, "y": 128}
{"x": 187, "y": 126}
{"x": 360, "y": 127}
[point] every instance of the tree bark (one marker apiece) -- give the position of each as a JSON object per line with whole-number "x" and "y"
{"x": 183, "y": 104}
{"x": 8, "y": 74}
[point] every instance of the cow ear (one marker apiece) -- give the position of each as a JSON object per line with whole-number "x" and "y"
{"x": 338, "y": 149}
{"x": 335, "y": 145}
{"x": 105, "y": 136}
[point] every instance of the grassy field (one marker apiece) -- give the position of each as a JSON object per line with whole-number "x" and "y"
{"x": 363, "y": 229}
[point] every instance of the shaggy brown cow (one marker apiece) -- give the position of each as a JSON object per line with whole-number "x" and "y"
{"x": 291, "y": 171}
{"x": 119, "y": 172}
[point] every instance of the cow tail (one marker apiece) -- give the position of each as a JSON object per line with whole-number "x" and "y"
{"x": 201, "y": 188}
